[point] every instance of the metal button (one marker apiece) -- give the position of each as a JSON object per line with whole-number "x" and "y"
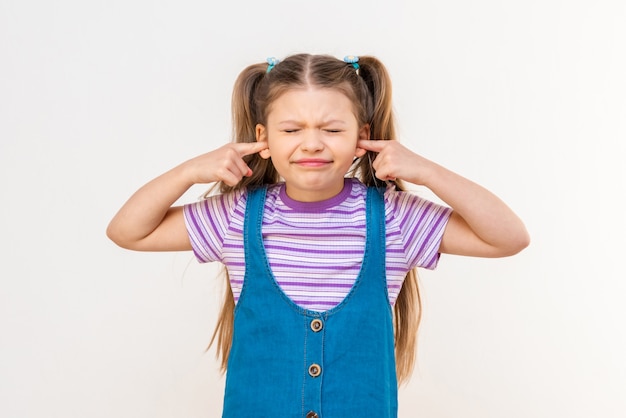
{"x": 311, "y": 414}
{"x": 315, "y": 370}
{"x": 317, "y": 325}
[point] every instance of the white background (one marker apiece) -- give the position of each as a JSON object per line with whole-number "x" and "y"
{"x": 97, "y": 97}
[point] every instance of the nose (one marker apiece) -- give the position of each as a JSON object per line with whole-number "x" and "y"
{"x": 312, "y": 141}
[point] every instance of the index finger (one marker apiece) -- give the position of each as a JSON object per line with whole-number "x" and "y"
{"x": 372, "y": 145}
{"x": 248, "y": 148}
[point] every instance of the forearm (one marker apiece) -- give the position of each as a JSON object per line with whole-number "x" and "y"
{"x": 489, "y": 219}
{"x": 147, "y": 208}
{"x": 148, "y": 222}
{"x": 481, "y": 224}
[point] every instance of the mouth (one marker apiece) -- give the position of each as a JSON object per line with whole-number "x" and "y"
{"x": 312, "y": 162}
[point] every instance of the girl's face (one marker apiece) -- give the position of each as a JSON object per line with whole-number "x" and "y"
{"x": 312, "y": 139}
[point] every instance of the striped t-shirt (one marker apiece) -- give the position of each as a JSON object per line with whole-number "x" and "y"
{"x": 315, "y": 249}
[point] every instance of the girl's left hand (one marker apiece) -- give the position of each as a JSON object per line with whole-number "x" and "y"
{"x": 395, "y": 161}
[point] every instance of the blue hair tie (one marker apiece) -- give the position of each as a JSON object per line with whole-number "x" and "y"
{"x": 271, "y": 61}
{"x": 352, "y": 59}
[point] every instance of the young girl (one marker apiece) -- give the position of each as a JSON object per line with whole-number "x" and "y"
{"x": 319, "y": 240}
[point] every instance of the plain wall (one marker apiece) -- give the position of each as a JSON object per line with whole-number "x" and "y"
{"x": 97, "y": 97}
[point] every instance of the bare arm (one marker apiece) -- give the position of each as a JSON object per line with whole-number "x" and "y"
{"x": 148, "y": 222}
{"x": 481, "y": 224}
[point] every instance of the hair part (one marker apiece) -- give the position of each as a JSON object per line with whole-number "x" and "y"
{"x": 369, "y": 90}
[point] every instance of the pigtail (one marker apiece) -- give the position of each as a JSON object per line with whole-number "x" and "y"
{"x": 245, "y": 116}
{"x": 376, "y": 86}
{"x": 243, "y": 108}
{"x": 407, "y": 309}
{"x": 378, "y": 82}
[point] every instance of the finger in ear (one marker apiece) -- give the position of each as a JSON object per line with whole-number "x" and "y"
{"x": 265, "y": 154}
{"x": 360, "y": 152}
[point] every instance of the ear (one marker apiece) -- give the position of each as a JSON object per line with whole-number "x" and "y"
{"x": 364, "y": 133}
{"x": 261, "y": 136}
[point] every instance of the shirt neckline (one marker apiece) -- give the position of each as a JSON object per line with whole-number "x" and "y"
{"x": 320, "y": 205}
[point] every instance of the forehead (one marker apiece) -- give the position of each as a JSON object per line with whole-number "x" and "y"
{"x": 311, "y": 102}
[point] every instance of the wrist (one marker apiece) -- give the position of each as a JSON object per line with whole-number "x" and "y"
{"x": 184, "y": 174}
{"x": 424, "y": 173}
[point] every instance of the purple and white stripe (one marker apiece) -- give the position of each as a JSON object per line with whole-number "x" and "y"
{"x": 315, "y": 250}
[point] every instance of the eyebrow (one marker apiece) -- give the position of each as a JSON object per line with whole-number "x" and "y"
{"x": 326, "y": 122}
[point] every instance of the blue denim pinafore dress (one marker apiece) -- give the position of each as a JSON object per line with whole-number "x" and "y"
{"x": 287, "y": 361}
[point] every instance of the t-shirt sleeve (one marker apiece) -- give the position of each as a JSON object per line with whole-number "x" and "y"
{"x": 416, "y": 226}
{"x": 208, "y": 222}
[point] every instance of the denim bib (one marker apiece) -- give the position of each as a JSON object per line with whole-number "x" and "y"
{"x": 287, "y": 361}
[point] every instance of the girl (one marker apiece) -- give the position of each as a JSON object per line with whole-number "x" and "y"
{"x": 319, "y": 240}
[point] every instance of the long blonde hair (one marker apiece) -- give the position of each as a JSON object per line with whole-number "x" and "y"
{"x": 369, "y": 89}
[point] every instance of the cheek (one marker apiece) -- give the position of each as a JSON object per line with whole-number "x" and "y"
{"x": 348, "y": 143}
{"x": 279, "y": 150}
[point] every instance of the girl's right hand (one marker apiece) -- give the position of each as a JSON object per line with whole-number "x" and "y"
{"x": 149, "y": 222}
{"x": 224, "y": 164}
